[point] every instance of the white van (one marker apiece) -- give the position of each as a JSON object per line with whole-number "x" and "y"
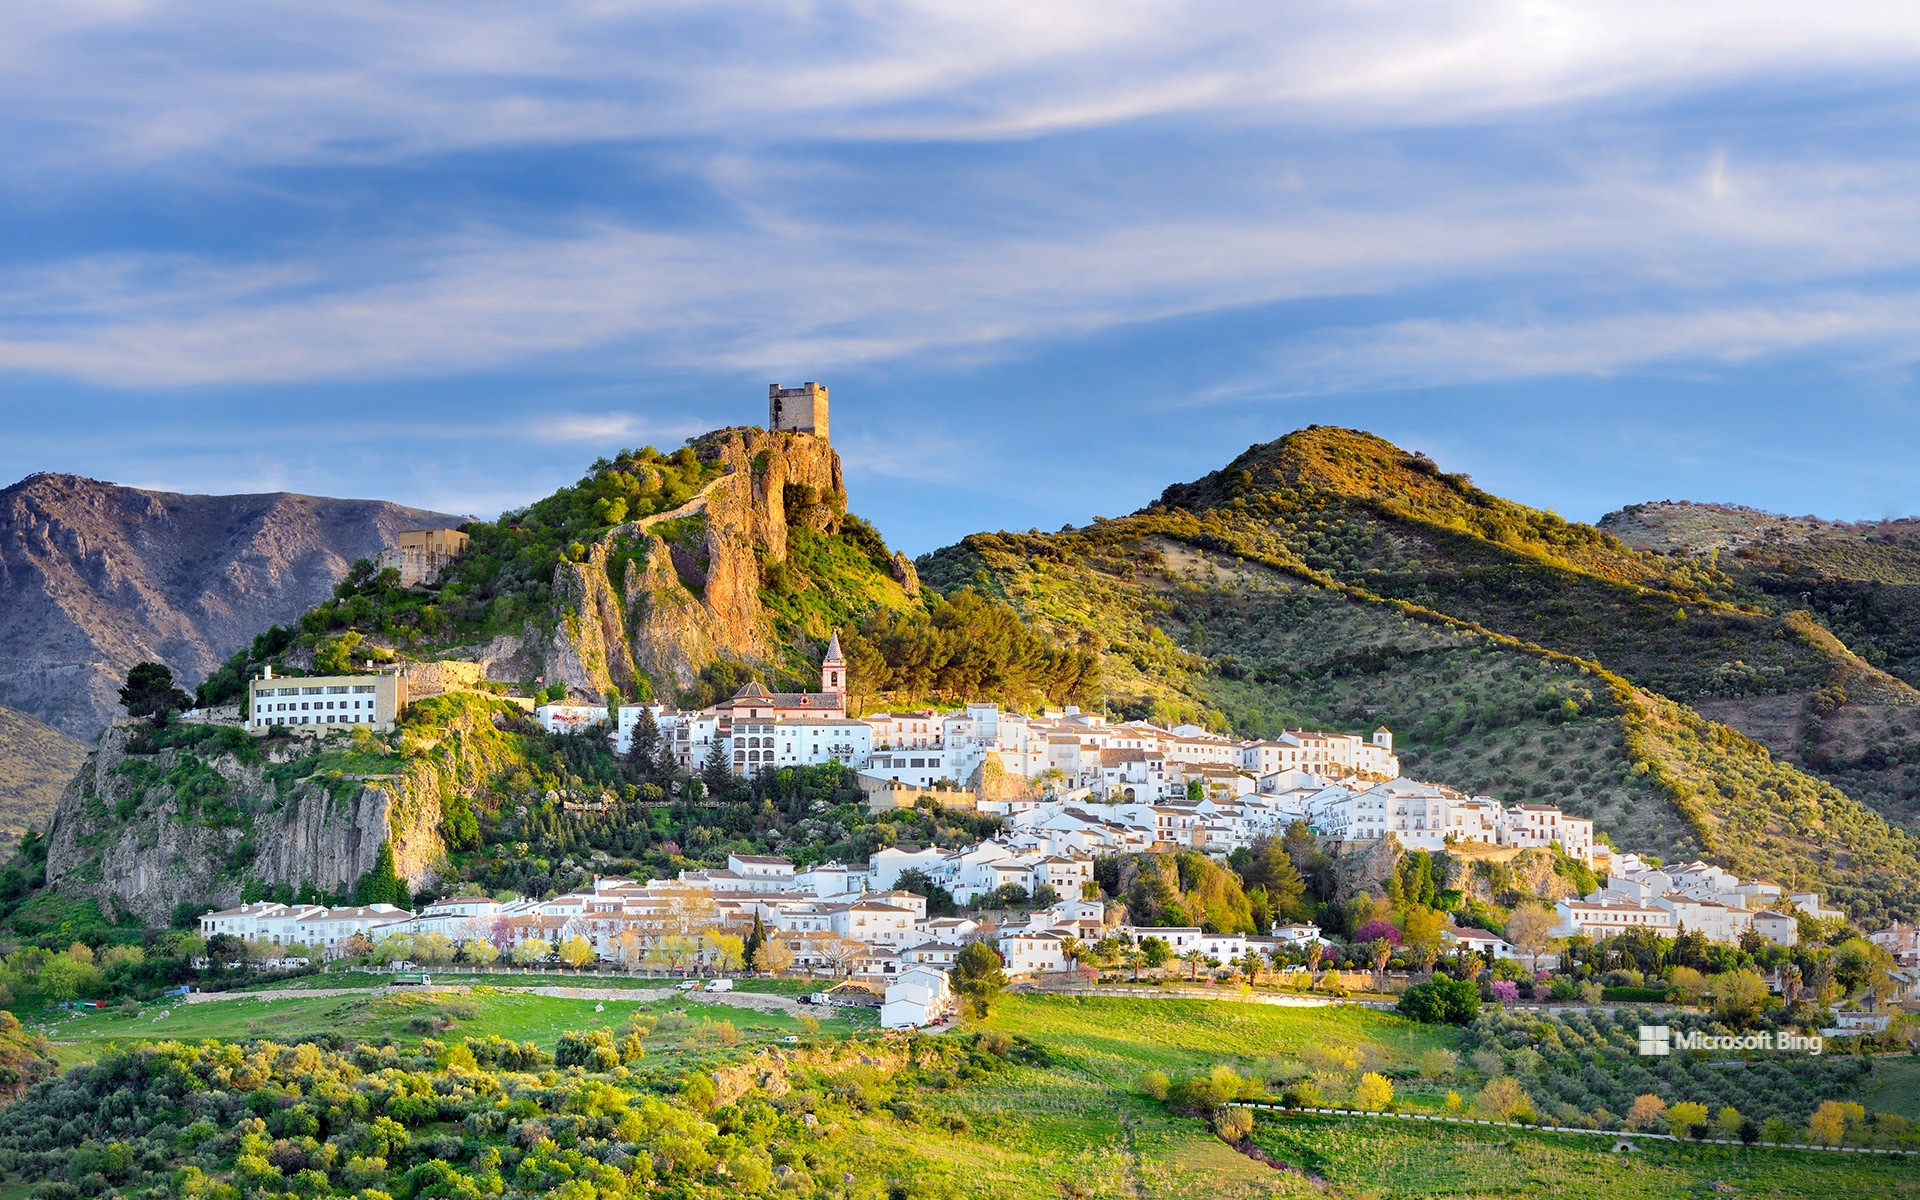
{"x": 720, "y": 985}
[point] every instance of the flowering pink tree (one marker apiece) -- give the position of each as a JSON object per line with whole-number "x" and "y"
{"x": 1374, "y": 930}
{"x": 1505, "y": 991}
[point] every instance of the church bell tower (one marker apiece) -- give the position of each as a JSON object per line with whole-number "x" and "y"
{"x": 833, "y": 669}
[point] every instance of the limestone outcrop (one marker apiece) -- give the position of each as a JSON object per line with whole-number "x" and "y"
{"x": 656, "y": 599}
{"x": 144, "y": 833}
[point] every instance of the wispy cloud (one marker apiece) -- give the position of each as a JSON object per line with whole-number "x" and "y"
{"x": 355, "y": 80}
{"x": 1433, "y": 352}
{"x": 210, "y": 200}
{"x": 792, "y": 291}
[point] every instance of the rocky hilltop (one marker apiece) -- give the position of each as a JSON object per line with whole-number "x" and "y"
{"x": 95, "y": 577}
{"x": 658, "y": 598}
{"x": 748, "y": 558}
{"x": 737, "y": 548}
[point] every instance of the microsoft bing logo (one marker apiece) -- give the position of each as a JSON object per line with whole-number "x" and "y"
{"x": 1660, "y": 1041}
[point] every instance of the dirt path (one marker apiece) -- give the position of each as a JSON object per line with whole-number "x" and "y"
{"x": 758, "y": 1001}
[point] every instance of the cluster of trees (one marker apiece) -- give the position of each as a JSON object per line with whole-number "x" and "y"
{"x": 506, "y": 575}
{"x": 1585, "y": 1069}
{"x": 1183, "y": 888}
{"x": 454, "y": 1120}
{"x": 966, "y": 646}
{"x": 103, "y": 971}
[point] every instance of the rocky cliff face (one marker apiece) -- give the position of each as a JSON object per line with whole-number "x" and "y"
{"x": 95, "y": 577}
{"x": 654, "y": 600}
{"x": 146, "y": 831}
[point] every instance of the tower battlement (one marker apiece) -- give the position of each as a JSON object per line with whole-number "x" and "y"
{"x": 800, "y": 409}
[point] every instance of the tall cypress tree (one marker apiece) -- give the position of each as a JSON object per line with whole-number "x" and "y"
{"x": 755, "y": 939}
{"x": 643, "y": 753}
{"x": 715, "y": 772}
{"x": 380, "y": 884}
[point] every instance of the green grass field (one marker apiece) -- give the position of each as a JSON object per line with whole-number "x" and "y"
{"x": 1078, "y": 1124}
{"x": 1081, "y": 1126}
{"x": 409, "y": 1016}
{"x": 1893, "y": 1087}
{"x": 1467, "y": 1163}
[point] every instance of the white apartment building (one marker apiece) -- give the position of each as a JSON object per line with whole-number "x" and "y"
{"x": 308, "y": 924}
{"x": 1604, "y": 918}
{"x": 1530, "y": 826}
{"x": 1032, "y": 952}
{"x": 906, "y": 731}
{"x": 325, "y": 703}
{"x": 917, "y": 997}
{"x": 1720, "y": 922}
{"x": 763, "y": 868}
{"x": 927, "y": 766}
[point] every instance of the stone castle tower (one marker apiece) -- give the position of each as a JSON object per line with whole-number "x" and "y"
{"x": 798, "y": 410}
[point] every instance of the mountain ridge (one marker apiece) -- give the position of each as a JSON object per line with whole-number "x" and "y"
{"x": 96, "y": 576}
{"x": 1330, "y": 577}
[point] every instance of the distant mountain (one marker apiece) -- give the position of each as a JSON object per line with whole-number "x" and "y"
{"x": 1861, "y": 581}
{"x": 36, "y": 760}
{"x": 1332, "y": 578}
{"x": 95, "y": 577}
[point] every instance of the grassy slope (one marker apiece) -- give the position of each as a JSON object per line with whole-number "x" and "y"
{"x": 1079, "y": 1125}
{"x": 36, "y": 761}
{"x": 521, "y": 1017}
{"x": 1862, "y": 582}
{"x": 1267, "y": 603}
{"x": 1462, "y": 1163}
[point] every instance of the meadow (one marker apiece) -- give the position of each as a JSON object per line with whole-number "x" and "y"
{"x": 1468, "y": 1163}
{"x": 1067, "y": 1111}
{"x": 687, "y": 1031}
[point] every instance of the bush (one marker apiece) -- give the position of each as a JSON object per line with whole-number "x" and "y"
{"x": 593, "y": 1049}
{"x": 1442, "y": 1000}
{"x": 1233, "y": 1124}
{"x": 1155, "y": 1084}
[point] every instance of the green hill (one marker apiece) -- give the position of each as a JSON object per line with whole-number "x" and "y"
{"x": 1330, "y": 578}
{"x": 678, "y": 576}
{"x": 1861, "y": 582}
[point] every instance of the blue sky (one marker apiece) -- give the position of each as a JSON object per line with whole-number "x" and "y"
{"x": 1049, "y": 258}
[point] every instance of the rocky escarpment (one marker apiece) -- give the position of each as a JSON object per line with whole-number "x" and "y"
{"x": 146, "y": 828}
{"x": 654, "y": 600}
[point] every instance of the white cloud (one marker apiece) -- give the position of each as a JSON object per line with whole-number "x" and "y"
{"x": 977, "y": 257}
{"x": 789, "y": 290}
{"x": 354, "y": 80}
{"x": 1436, "y": 352}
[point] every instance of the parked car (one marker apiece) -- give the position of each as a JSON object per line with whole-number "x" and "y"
{"x": 688, "y": 985}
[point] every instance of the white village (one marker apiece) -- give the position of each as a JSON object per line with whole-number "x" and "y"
{"x": 1066, "y": 787}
